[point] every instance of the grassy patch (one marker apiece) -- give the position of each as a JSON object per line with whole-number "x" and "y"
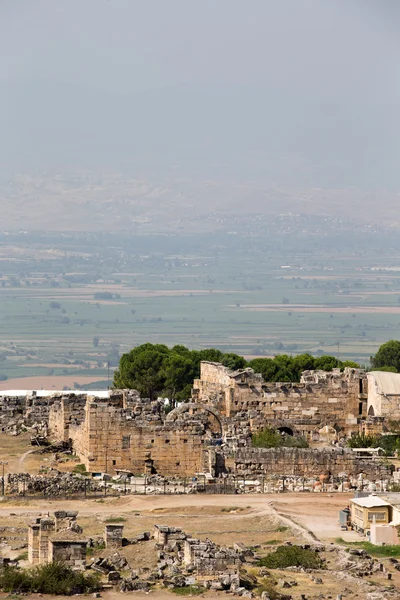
{"x": 378, "y": 551}
{"x": 188, "y": 590}
{"x": 272, "y": 543}
{"x": 80, "y": 469}
{"x": 269, "y": 438}
{"x": 282, "y": 528}
{"x": 291, "y": 556}
{"x": 52, "y": 578}
{"x": 115, "y": 520}
{"x": 268, "y": 585}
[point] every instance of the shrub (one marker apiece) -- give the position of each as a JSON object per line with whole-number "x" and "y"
{"x": 292, "y": 556}
{"x": 80, "y": 469}
{"x": 361, "y": 440}
{"x": 53, "y": 578}
{"x": 269, "y": 438}
{"x": 389, "y": 443}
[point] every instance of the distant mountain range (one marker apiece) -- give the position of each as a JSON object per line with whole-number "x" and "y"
{"x": 71, "y": 153}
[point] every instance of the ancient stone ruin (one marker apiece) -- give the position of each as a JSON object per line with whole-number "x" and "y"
{"x": 57, "y": 539}
{"x": 212, "y": 433}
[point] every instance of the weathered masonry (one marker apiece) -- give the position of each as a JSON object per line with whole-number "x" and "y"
{"x": 321, "y": 399}
{"x": 57, "y": 539}
{"x": 127, "y": 432}
{"x": 118, "y": 430}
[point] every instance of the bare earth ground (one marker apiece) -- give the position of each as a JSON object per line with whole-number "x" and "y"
{"x": 250, "y": 519}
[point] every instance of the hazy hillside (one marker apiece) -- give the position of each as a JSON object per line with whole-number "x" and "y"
{"x": 76, "y": 156}
{"x": 208, "y": 132}
{"x": 114, "y": 112}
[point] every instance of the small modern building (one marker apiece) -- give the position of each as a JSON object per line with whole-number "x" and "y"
{"x": 393, "y": 498}
{"x": 365, "y": 511}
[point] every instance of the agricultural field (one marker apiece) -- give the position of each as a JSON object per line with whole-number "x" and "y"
{"x": 71, "y": 303}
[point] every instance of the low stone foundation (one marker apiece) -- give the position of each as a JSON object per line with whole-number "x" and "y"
{"x": 307, "y": 462}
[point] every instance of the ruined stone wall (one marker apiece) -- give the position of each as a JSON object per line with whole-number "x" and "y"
{"x": 71, "y": 553}
{"x": 136, "y": 438}
{"x": 334, "y": 399}
{"x": 21, "y": 412}
{"x": 64, "y": 412}
{"x": 306, "y": 462}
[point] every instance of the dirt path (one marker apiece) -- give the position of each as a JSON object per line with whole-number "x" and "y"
{"x": 315, "y": 516}
{"x": 21, "y": 460}
{"x": 306, "y": 533}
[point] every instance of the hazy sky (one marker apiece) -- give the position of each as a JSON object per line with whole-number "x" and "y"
{"x": 304, "y": 53}
{"x": 340, "y": 46}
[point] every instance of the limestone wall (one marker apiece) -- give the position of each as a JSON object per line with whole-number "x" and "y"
{"x": 110, "y": 437}
{"x": 334, "y": 399}
{"x": 19, "y": 412}
{"x": 65, "y": 411}
{"x": 70, "y": 552}
{"x": 306, "y": 462}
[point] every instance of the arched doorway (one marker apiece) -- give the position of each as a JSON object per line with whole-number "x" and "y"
{"x": 285, "y": 430}
{"x": 371, "y": 412}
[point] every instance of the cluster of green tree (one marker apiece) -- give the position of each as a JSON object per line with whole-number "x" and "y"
{"x": 289, "y": 368}
{"x": 389, "y": 443}
{"x": 156, "y": 370}
{"x": 387, "y": 358}
{"x": 270, "y": 438}
{"x": 53, "y": 578}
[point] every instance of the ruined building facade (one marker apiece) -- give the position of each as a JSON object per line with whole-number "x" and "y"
{"x": 212, "y": 433}
{"x": 321, "y": 399}
{"x": 127, "y": 432}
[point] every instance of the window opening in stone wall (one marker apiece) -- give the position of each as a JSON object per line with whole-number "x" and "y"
{"x": 167, "y": 441}
{"x": 126, "y": 442}
{"x": 114, "y": 462}
{"x": 360, "y": 381}
{"x": 360, "y": 408}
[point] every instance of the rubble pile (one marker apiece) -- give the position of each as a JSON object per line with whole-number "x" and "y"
{"x": 21, "y": 413}
{"x": 114, "y": 562}
{"x": 52, "y": 484}
{"x": 184, "y": 560}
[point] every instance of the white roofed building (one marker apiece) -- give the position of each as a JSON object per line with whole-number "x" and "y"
{"x": 383, "y": 395}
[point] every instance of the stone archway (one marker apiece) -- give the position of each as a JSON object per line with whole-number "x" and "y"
{"x": 371, "y": 412}
{"x": 193, "y": 406}
{"x": 286, "y": 430}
